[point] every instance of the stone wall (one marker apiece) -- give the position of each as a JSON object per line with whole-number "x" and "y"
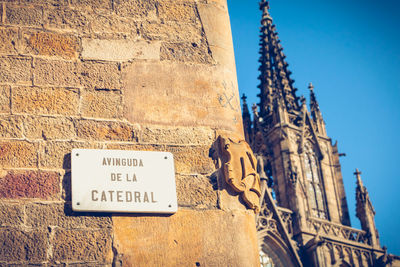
{"x": 117, "y": 74}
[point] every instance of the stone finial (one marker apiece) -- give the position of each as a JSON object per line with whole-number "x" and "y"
{"x": 264, "y": 3}
{"x": 264, "y": 7}
{"x": 357, "y": 173}
{"x": 244, "y": 97}
{"x": 311, "y": 86}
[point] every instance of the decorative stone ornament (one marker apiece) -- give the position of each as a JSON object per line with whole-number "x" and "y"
{"x": 239, "y": 167}
{"x": 292, "y": 174}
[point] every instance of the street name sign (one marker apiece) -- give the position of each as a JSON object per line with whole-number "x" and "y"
{"x": 123, "y": 181}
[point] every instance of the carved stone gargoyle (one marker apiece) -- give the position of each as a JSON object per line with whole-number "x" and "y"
{"x": 239, "y": 167}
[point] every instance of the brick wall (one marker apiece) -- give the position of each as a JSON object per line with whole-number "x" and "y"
{"x": 117, "y": 74}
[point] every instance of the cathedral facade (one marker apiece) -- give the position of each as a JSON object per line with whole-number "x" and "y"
{"x": 304, "y": 218}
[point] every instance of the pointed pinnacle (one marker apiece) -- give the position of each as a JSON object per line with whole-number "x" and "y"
{"x": 244, "y": 97}
{"x": 254, "y": 108}
{"x": 357, "y": 173}
{"x": 264, "y": 3}
{"x": 310, "y": 86}
{"x": 264, "y": 6}
{"x": 302, "y": 100}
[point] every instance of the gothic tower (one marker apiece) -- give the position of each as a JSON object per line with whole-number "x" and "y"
{"x": 304, "y": 210}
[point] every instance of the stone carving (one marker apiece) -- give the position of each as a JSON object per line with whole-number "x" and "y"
{"x": 259, "y": 144}
{"x": 266, "y": 220}
{"x": 239, "y": 166}
{"x": 286, "y": 216}
{"x": 314, "y": 243}
{"x": 292, "y": 173}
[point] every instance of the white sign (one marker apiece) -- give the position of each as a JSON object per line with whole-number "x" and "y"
{"x": 123, "y": 181}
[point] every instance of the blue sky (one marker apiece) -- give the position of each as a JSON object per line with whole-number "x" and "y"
{"x": 350, "y": 51}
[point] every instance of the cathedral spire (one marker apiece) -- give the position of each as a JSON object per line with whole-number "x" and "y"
{"x": 275, "y": 81}
{"x": 365, "y": 211}
{"x": 304, "y": 172}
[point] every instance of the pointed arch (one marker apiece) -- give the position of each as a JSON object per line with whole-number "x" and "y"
{"x": 275, "y": 244}
{"x": 275, "y": 253}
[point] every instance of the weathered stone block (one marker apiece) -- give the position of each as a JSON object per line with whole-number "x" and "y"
{"x": 196, "y": 190}
{"x": 57, "y": 154}
{"x": 42, "y": 100}
{"x": 186, "y": 52}
{"x": 112, "y": 24}
{"x": 119, "y": 49}
{"x": 104, "y": 4}
{"x": 171, "y": 31}
{"x": 215, "y": 21}
{"x": 56, "y": 73}
{"x": 4, "y": 99}
{"x": 48, "y": 128}
{"x": 139, "y": 147}
{"x": 18, "y": 154}
{"x": 177, "y": 135}
{"x": 188, "y": 238}
{"x": 15, "y": 69}
{"x": 100, "y": 75}
{"x": 24, "y": 264}
{"x": 101, "y": 104}
{"x": 105, "y": 131}
{"x": 136, "y": 8}
{"x": 195, "y": 95}
{"x": 23, "y": 15}
{"x": 82, "y": 245}
{"x": 47, "y": 3}
{"x": 10, "y": 126}
{"x": 30, "y": 184}
{"x": 61, "y": 215}
{"x": 16, "y": 245}
{"x": 65, "y": 18}
{"x": 53, "y": 44}
{"x": 178, "y": 11}
{"x": 11, "y": 214}
{"x": 8, "y": 39}
{"x": 191, "y": 159}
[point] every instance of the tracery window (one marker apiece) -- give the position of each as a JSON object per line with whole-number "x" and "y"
{"x": 314, "y": 183}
